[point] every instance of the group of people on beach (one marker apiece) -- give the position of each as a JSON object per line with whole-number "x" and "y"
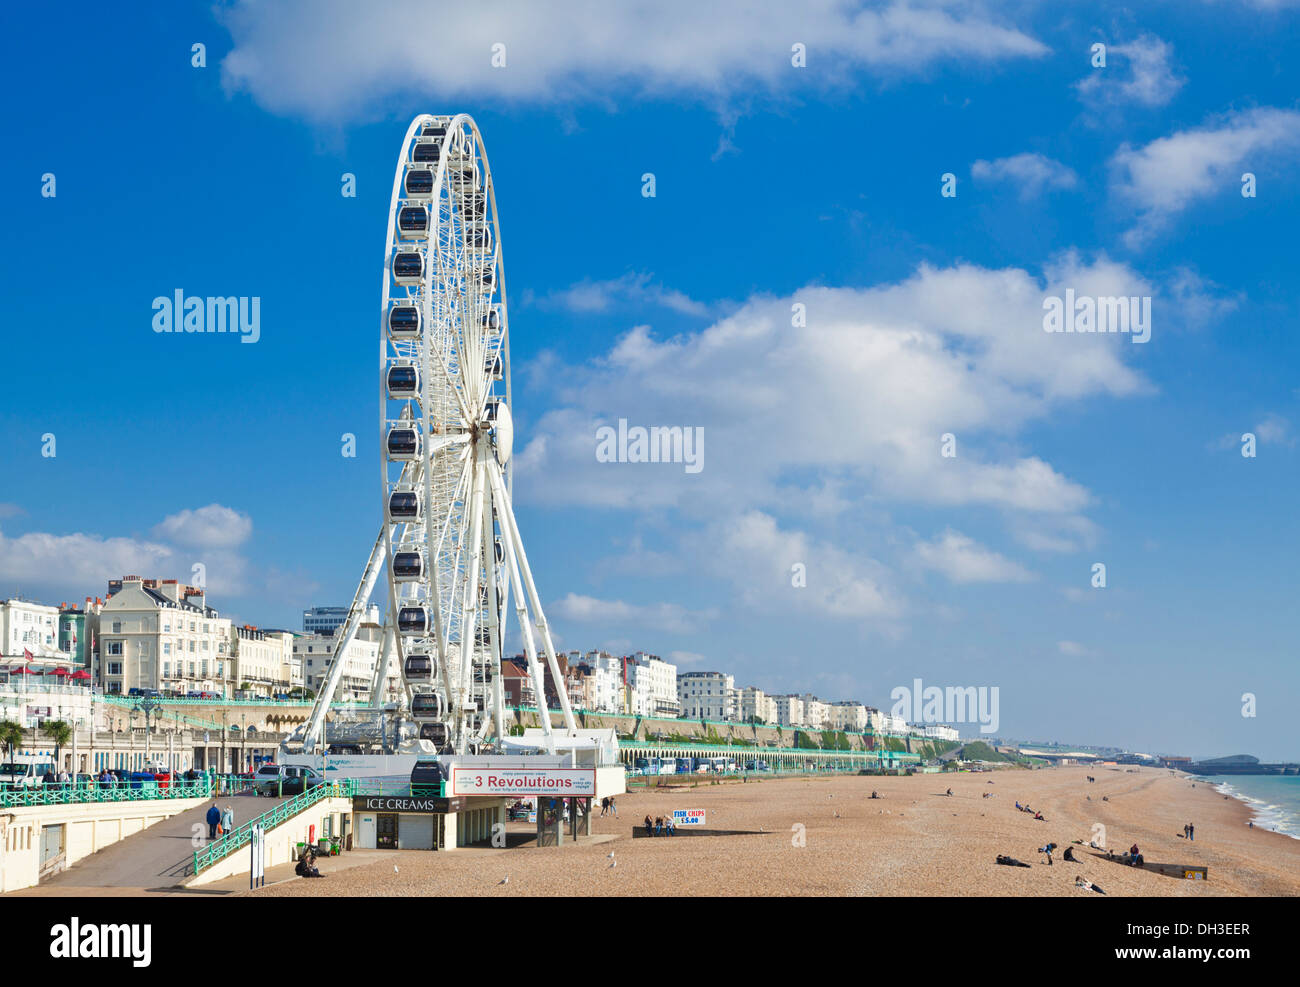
{"x": 307, "y": 865}
{"x": 1189, "y": 831}
{"x": 1025, "y": 808}
{"x": 608, "y": 807}
{"x": 659, "y": 826}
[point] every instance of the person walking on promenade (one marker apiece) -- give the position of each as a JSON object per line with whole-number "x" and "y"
{"x": 214, "y": 820}
{"x": 613, "y": 806}
{"x": 227, "y": 820}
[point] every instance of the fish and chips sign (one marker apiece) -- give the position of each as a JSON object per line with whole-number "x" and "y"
{"x": 556, "y": 782}
{"x": 688, "y": 817}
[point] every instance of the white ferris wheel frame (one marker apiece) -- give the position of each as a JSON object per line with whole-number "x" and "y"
{"x": 480, "y": 500}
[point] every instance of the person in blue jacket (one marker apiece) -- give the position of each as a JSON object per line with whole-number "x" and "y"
{"x": 214, "y": 819}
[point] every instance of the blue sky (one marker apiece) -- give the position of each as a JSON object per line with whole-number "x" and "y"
{"x": 775, "y": 186}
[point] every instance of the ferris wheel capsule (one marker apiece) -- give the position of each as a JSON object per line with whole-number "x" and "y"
{"x": 408, "y": 566}
{"x": 427, "y": 706}
{"x": 434, "y": 732}
{"x": 420, "y": 667}
{"x": 404, "y": 321}
{"x": 402, "y": 444}
{"x": 427, "y": 150}
{"x": 494, "y": 367}
{"x": 404, "y": 505}
{"x": 492, "y": 322}
{"x": 403, "y": 381}
{"x": 414, "y": 620}
{"x": 438, "y": 130}
{"x": 418, "y": 183}
{"x": 408, "y": 267}
{"x": 413, "y": 222}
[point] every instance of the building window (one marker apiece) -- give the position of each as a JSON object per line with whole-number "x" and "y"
{"x": 114, "y": 668}
{"x": 117, "y": 627}
{"x": 114, "y": 647}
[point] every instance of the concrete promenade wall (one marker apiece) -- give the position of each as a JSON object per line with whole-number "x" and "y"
{"x": 87, "y": 827}
{"x": 701, "y": 731}
{"x": 281, "y": 842}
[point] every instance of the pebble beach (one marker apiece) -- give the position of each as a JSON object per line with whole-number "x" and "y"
{"x": 824, "y": 835}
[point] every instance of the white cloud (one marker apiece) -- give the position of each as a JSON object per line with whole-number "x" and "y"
{"x": 758, "y": 557}
{"x": 1031, "y": 173}
{"x": 213, "y": 526}
{"x": 1275, "y": 430}
{"x": 1072, "y": 648}
{"x": 669, "y": 617}
{"x": 1150, "y": 80}
{"x": 962, "y": 560}
{"x": 632, "y": 289}
{"x": 1171, "y": 173}
{"x": 78, "y": 564}
{"x": 847, "y": 409}
{"x": 332, "y": 60}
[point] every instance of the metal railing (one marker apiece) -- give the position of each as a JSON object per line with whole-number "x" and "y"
{"x": 239, "y": 837}
{"x": 126, "y": 791}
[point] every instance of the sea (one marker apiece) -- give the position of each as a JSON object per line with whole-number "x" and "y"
{"x": 1274, "y": 800}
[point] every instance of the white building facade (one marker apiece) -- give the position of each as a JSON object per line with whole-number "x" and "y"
{"x": 708, "y": 696}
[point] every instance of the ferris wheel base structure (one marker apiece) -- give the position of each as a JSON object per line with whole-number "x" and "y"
{"x": 448, "y": 557}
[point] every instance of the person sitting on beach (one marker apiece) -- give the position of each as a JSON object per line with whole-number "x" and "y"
{"x": 950, "y": 791}
{"x": 659, "y": 825}
{"x": 1019, "y": 807}
{"x": 649, "y": 826}
{"x": 1079, "y": 882}
{"x": 670, "y": 827}
{"x": 307, "y": 866}
{"x": 1010, "y": 861}
{"x": 1069, "y": 855}
{"x": 1039, "y": 815}
{"x": 875, "y": 794}
{"x": 1135, "y": 856}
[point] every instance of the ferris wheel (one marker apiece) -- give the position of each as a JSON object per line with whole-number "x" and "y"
{"x": 449, "y": 549}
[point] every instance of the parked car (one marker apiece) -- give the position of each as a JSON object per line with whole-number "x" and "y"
{"x": 294, "y": 778}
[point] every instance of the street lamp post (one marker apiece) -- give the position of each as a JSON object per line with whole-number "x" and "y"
{"x": 148, "y": 706}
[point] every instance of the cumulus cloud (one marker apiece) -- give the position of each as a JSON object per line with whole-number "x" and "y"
{"x": 962, "y": 560}
{"x": 1031, "y": 173}
{"x": 848, "y": 408}
{"x": 1143, "y": 76}
{"x": 334, "y": 60}
{"x": 213, "y": 526}
{"x": 760, "y": 558}
{"x": 80, "y": 564}
{"x": 1166, "y": 176}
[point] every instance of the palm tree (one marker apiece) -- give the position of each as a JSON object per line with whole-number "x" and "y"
{"x": 11, "y": 735}
{"x": 60, "y": 732}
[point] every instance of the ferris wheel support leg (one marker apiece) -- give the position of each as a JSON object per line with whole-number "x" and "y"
{"x": 521, "y": 611}
{"x": 494, "y": 627}
{"x": 316, "y": 722}
{"x": 469, "y": 606}
{"x": 508, "y": 516}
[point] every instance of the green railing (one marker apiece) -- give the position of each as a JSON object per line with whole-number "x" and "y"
{"x": 219, "y": 849}
{"x": 123, "y": 792}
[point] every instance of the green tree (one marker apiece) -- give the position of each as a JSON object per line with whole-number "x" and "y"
{"x": 60, "y": 732}
{"x": 11, "y": 735}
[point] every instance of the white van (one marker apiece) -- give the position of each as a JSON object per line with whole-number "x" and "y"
{"x": 25, "y": 770}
